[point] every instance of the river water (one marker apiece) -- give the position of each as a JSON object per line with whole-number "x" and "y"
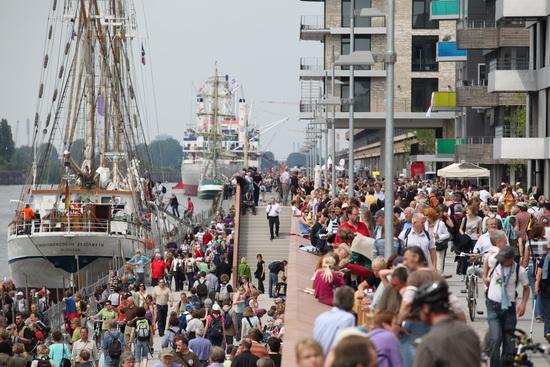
{"x": 7, "y": 211}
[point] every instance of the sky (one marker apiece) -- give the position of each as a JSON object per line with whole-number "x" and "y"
{"x": 255, "y": 41}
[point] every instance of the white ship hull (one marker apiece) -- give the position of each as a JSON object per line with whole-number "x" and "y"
{"x": 48, "y": 259}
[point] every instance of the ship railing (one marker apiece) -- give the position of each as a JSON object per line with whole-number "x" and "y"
{"x": 76, "y": 225}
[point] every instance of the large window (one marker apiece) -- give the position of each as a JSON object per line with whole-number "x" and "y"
{"x": 362, "y": 43}
{"x": 362, "y": 94}
{"x": 421, "y": 15}
{"x": 424, "y": 49}
{"x": 421, "y": 93}
{"x": 359, "y": 21}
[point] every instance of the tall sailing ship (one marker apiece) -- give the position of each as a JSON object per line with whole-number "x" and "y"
{"x": 222, "y": 131}
{"x": 94, "y": 215}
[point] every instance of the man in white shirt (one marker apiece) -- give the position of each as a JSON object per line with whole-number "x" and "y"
{"x": 483, "y": 243}
{"x": 85, "y": 343}
{"x": 273, "y": 210}
{"x": 418, "y": 236}
{"x": 502, "y": 283}
{"x": 378, "y": 192}
{"x": 498, "y": 242}
{"x": 484, "y": 194}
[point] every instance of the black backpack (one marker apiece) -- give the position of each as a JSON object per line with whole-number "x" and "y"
{"x": 163, "y": 189}
{"x": 227, "y": 320}
{"x": 215, "y": 331}
{"x": 115, "y": 347}
{"x": 43, "y": 362}
{"x": 202, "y": 289}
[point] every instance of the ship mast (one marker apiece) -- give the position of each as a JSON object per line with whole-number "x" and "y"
{"x": 89, "y": 150}
{"x": 215, "y": 111}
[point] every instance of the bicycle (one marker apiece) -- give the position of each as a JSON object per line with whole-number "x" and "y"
{"x": 471, "y": 281}
{"x": 524, "y": 345}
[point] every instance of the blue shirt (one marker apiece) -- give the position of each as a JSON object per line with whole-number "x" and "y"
{"x": 109, "y": 335}
{"x": 328, "y": 324}
{"x": 387, "y": 348}
{"x": 70, "y": 305}
{"x": 201, "y": 347}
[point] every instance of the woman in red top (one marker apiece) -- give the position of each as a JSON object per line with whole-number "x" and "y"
{"x": 326, "y": 280}
{"x": 158, "y": 269}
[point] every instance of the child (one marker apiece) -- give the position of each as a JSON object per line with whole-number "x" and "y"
{"x": 280, "y": 288}
{"x": 84, "y": 359}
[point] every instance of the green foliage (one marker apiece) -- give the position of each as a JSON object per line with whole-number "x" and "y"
{"x": 7, "y": 146}
{"x": 166, "y": 153}
{"x": 516, "y": 118}
{"x": 268, "y": 161}
{"x": 296, "y": 160}
{"x": 426, "y": 140}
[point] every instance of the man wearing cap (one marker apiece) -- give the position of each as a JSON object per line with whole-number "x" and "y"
{"x": 378, "y": 224}
{"x": 167, "y": 359}
{"x": 502, "y": 282}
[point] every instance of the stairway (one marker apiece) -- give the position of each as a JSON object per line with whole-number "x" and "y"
{"x": 254, "y": 237}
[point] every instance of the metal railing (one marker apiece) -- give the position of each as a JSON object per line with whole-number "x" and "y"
{"x": 312, "y": 63}
{"x": 312, "y": 22}
{"x": 75, "y": 225}
{"x": 475, "y": 24}
{"x": 509, "y": 64}
{"x": 424, "y": 65}
{"x": 508, "y": 131}
{"x": 471, "y": 83}
{"x": 475, "y": 140}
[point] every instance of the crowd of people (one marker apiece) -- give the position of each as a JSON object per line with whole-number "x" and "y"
{"x": 383, "y": 304}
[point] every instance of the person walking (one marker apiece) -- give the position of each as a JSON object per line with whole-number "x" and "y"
{"x": 502, "y": 281}
{"x": 113, "y": 345}
{"x": 260, "y": 273}
{"x": 417, "y": 235}
{"x": 174, "y": 204}
{"x": 273, "y": 210}
{"x": 85, "y": 343}
{"x": 284, "y": 179}
{"x": 138, "y": 261}
{"x": 542, "y": 289}
{"x": 161, "y": 297}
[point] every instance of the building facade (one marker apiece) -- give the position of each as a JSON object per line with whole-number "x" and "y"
{"x": 425, "y": 74}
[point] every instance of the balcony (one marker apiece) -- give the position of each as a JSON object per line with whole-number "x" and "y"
{"x": 486, "y": 35}
{"x": 475, "y": 149}
{"x": 445, "y": 146}
{"x": 312, "y": 68}
{"x": 474, "y": 94}
{"x": 511, "y": 75}
{"x": 521, "y": 9}
{"x": 444, "y": 101}
{"x": 448, "y": 51}
{"x": 445, "y": 9}
{"x": 521, "y": 148}
{"x": 312, "y": 28}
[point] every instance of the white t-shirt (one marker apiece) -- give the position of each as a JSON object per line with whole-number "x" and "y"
{"x": 497, "y": 277}
{"x": 420, "y": 240}
{"x": 483, "y": 244}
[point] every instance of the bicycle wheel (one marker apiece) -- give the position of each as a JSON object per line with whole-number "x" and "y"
{"x": 471, "y": 299}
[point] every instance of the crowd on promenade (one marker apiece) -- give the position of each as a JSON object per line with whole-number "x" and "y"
{"x": 181, "y": 292}
{"x": 383, "y": 304}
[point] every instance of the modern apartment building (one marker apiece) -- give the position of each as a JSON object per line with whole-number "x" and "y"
{"x": 526, "y": 72}
{"x": 426, "y": 56}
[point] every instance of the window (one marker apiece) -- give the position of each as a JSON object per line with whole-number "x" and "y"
{"x": 362, "y": 43}
{"x": 362, "y": 94}
{"x": 421, "y": 93}
{"x": 421, "y": 15}
{"x": 482, "y": 74}
{"x": 359, "y": 21}
{"x": 424, "y": 49}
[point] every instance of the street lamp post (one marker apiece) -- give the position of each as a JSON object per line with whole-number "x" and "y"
{"x": 351, "y": 155}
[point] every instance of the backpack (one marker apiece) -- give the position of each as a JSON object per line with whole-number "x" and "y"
{"x": 227, "y": 320}
{"x": 43, "y": 362}
{"x": 202, "y": 289}
{"x": 215, "y": 331}
{"x": 493, "y": 270}
{"x": 115, "y": 347}
{"x": 224, "y": 292}
{"x": 142, "y": 329}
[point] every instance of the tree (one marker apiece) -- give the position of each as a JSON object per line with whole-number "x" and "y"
{"x": 166, "y": 153}
{"x": 77, "y": 151}
{"x": 7, "y": 146}
{"x": 268, "y": 161}
{"x": 296, "y": 160}
{"x": 22, "y": 157}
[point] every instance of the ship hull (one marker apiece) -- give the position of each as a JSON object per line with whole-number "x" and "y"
{"x": 209, "y": 191}
{"x": 49, "y": 259}
{"x": 190, "y": 176}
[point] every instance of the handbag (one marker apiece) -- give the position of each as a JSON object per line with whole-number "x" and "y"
{"x": 443, "y": 244}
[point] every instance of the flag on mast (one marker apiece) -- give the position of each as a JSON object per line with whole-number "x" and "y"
{"x": 142, "y": 55}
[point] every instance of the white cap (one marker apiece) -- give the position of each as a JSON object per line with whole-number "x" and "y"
{"x": 216, "y": 307}
{"x": 19, "y": 294}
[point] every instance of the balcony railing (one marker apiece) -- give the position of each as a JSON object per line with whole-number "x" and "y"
{"x": 312, "y": 22}
{"x": 75, "y": 225}
{"x": 448, "y": 51}
{"x": 445, "y": 9}
{"x": 312, "y": 63}
{"x": 424, "y": 65}
{"x": 509, "y": 64}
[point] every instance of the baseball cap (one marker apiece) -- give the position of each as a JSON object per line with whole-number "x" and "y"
{"x": 379, "y": 213}
{"x": 505, "y": 253}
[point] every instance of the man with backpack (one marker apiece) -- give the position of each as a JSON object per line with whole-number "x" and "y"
{"x": 143, "y": 334}
{"x": 418, "y": 236}
{"x": 224, "y": 290}
{"x": 202, "y": 285}
{"x": 215, "y": 328}
{"x": 113, "y": 345}
{"x": 501, "y": 296}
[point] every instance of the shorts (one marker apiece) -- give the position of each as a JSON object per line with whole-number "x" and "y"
{"x": 141, "y": 350}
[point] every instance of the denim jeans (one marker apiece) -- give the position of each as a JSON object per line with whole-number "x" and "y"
{"x": 545, "y": 305}
{"x": 273, "y": 279}
{"x": 500, "y": 323}
{"x": 531, "y": 276}
{"x": 416, "y": 329}
{"x": 141, "y": 350}
{"x": 303, "y": 228}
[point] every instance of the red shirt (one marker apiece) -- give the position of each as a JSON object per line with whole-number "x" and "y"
{"x": 361, "y": 229}
{"x": 157, "y": 269}
{"x": 206, "y": 238}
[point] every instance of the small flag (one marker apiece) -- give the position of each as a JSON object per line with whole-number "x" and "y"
{"x": 142, "y": 55}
